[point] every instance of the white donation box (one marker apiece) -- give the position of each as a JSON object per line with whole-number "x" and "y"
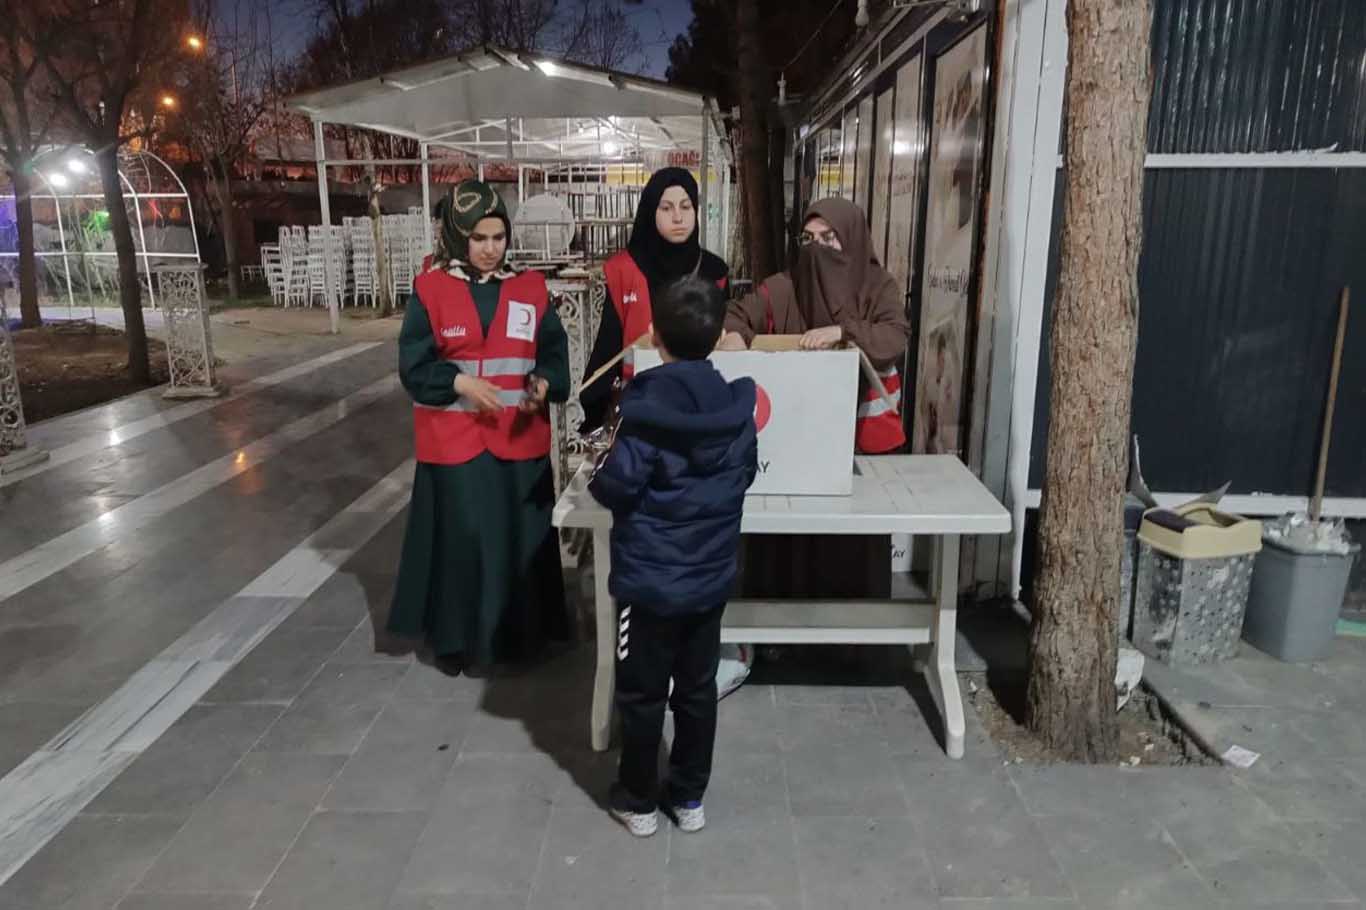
{"x": 804, "y": 414}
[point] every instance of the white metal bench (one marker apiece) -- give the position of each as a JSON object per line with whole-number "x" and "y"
{"x": 928, "y": 496}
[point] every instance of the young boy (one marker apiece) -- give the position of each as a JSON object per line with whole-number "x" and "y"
{"x": 682, "y": 457}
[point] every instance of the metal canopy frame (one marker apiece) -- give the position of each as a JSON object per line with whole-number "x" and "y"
{"x": 525, "y": 109}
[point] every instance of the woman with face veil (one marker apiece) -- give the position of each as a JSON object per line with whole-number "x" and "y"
{"x": 664, "y": 247}
{"x": 836, "y": 293}
{"x": 481, "y": 353}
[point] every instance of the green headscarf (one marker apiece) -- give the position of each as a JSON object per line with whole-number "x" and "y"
{"x": 467, "y": 203}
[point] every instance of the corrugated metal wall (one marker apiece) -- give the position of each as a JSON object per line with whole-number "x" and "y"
{"x": 1258, "y": 75}
{"x": 1242, "y": 268}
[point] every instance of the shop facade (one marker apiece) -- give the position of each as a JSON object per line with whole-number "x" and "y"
{"x": 945, "y": 124}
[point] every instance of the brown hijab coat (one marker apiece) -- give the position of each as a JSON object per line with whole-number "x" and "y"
{"x": 846, "y": 287}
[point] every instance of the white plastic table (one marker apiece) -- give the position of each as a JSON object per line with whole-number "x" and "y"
{"x": 929, "y": 496}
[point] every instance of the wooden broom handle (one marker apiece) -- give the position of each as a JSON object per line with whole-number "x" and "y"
{"x": 1316, "y": 504}
{"x": 871, "y": 374}
{"x": 606, "y": 367}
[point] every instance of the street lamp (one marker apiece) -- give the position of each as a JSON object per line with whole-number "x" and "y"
{"x": 199, "y": 45}
{"x": 168, "y": 102}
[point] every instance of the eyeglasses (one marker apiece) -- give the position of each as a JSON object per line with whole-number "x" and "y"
{"x": 824, "y": 238}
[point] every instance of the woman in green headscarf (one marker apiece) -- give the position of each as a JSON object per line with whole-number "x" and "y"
{"x": 481, "y": 353}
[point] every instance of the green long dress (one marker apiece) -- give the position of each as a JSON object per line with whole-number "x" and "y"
{"x": 480, "y": 574}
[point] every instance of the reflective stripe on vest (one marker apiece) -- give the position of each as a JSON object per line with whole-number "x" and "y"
{"x": 878, "y": 426}
{"x": 506, "y": 397}
{"x": 873, "y": 404}
{"x": 496, "y": 366}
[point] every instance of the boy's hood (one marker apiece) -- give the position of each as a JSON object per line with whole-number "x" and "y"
{"x": 690, "y": 408}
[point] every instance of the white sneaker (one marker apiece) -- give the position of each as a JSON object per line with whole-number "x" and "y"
{"x": 733, "y": 668}
{"x": 640, "y": 824}
{"x": 691, "y": 817}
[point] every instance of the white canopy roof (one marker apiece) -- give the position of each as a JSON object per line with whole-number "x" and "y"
{"x": 548, "y": 108}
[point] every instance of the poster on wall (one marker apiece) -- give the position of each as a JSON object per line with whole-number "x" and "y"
{"x": 956, "y": 140}
{"x": 849, "y": 153}
{"x": 863, "y": 157}
{"x": 907, "y": 146}
{"x": 882, "y": 172}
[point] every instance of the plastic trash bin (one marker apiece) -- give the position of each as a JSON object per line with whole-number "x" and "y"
{"x": 1191, "y": 589}
{"x": 1296, "y": 599}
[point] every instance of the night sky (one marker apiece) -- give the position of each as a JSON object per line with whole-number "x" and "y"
{"x": 658, "y": 21}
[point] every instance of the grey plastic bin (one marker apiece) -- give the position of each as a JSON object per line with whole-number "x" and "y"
{"x": 1292, "y": 613}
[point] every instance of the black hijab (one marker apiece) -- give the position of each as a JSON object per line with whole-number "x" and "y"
{"x": 660, "y": 261}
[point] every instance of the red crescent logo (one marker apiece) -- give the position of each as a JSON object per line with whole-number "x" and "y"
{"x": 763, "y": 408}
{"x": 526, "y": 317}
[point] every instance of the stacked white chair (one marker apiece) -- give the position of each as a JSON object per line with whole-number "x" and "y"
{"x": 316, "y": 264}
{"x": 401, "y": 268}
{"x": 294, "y": 251}
{"x": 362, "y": 261}
{"x": 334, "y": 261}
{"x": 273, "y": 266}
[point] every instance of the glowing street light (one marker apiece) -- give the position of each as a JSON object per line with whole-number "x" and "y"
{"x": 168, "y": 102}
{"x": 194, "y": 43}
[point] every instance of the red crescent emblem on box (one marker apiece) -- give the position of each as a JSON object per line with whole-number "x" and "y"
{"x": 763, "y": 408}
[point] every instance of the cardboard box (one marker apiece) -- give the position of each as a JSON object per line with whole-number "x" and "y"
{"x": 805, "y": 414}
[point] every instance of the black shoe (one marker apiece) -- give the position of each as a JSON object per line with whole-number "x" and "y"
{"x": 450, "y": 664}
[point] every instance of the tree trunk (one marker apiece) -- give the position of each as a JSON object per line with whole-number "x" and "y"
{"x": 130, "y": 288}
{"x": 30, "y": 317}
{"x": 227, "y": 223}
{"x": 755, "y": 92}
{"x": 384, "y": 287}
{"x": 1071, "y": 703}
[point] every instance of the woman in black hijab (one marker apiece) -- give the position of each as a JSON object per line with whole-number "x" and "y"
{"x": 664, "y": 247}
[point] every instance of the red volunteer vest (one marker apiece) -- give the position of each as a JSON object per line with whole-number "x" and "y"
{"x": 629, "y": 292}
{"x": 458, "y": 433}
{"x": 877, "y": 427}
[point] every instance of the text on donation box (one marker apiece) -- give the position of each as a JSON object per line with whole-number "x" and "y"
{"x": 805, "y": 407}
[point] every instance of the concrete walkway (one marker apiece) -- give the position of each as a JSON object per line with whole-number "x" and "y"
{"x": 193, "y": 716}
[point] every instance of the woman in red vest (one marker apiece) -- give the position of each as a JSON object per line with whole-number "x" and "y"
{"x": 837, "y": 293}
{"x": 481, "y": 352}
{"x": 663, "y": 248}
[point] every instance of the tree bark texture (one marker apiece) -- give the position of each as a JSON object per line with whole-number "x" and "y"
{"x": 1074, "y": 641}
{"x": 130, "y": 286}
{"x": 30, "y": 317}
{"x": 384, "y": 286}
{"x": 755, "y": 92}
{"x": 220, "y": 182}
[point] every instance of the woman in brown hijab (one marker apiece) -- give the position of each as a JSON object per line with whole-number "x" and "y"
{"x": 837, "y": 294}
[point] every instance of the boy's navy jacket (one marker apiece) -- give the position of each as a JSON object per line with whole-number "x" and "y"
{"x": 675, "y": 479}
